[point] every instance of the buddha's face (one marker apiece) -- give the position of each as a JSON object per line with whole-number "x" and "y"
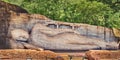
{"x": 19, "y": 34}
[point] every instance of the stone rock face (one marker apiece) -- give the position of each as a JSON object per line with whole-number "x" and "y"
{"x": 103, "y": 54}
{"x": 66, "y": 39}
{"x": 57, "y": 35}
{"x": 20, "y": 26}
{"x": 8, "y": 24}
{"x": 25, "y": 21}
{"x": 22, "y": 54}
{"x": 20, "y": 35}
{"x": 117, "y": 35}
{"x": 11, "y": 7}
{"x": 5, "y": 9}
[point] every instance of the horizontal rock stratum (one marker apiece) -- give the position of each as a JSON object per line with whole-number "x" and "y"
{"x": 23, "y": 54}
{"x": 103, "y": 55}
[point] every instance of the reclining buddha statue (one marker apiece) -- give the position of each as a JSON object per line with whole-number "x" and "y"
{"x": 42, "y": 32}
{"x": 35, "y": 31}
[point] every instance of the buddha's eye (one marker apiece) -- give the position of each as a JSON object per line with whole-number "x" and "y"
{"x": 65, "y": 26}
{"x": 52, "y": 26}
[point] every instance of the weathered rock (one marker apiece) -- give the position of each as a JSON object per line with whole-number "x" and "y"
{"x": 116, "y": 33}
{"x": 20, "y": 39}
{"x": 103, "y": 54}
{"x": 15, "y": 44}
{"x": 8, "y": 24}
{"x": 20, "y": 28}
{"x": 20, "y": 35}
{"x": 66, "y": 39}
{"x": 13, "y": 54}
{"x": 5, "y": 9}
{"x": 25, "y": 21}
{"x": 10, "y": 7}
{"x": 59, "y": 33}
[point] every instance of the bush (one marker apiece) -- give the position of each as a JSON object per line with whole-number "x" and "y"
{"x": 76, "y": 11}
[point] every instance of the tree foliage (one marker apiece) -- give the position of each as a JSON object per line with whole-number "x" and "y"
{"x": 96, "y": 12}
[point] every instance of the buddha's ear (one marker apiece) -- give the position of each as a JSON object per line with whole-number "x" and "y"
{"x": 19, "y": 34}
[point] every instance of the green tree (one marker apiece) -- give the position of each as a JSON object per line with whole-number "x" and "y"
{"x": 95, "y": 12}
{"x": 114, "y": 4}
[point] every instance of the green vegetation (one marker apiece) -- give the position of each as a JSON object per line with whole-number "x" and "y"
{"x": 96, "y": 12}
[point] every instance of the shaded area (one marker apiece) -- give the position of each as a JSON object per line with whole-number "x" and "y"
{"x": 5, "y": 9}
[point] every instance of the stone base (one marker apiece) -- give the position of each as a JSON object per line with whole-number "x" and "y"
{"x": 103, "y": 55}
{"x": 23, "y": 54}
